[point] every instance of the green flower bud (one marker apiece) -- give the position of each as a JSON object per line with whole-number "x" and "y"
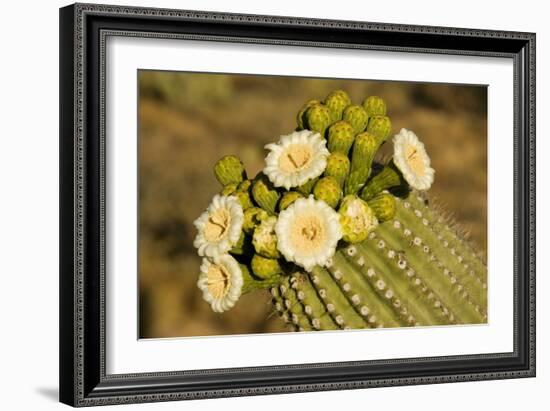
{"x": 357, "y": 219}
{"x": 264, "y": 193}
{"x": 389, "y": 177}
{"x": 244, "y": 186}
{"x": 252, "y": 218}
{"x": 288, "y": 198}
{"x": 318, "y": 118}
{"x": 251, "y": 281}
{"x": 374, "y": 106}
{"x": 244, "y": 199}
{"x": 357, "y": 117}
{"x": 340, "y": 137}
{"x": 338, "y": 166}
{"x": 364, "y": 150}
{"x": 380, "y": 126}
{"x": 300, "y": 117}
{"x": 265, "y": 239}
{"x": 229, "y": 189}
{"x": 229, "y": 169}
{"x": 336, "y": 102}
{"x": 355, "y": 181}
{"x": 328, "y": 190}
{"x": 383, "y": 206}
{"x": 265, "y": 268}
{"x": 305, "y": 189}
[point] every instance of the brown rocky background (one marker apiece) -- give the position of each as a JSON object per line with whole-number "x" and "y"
{"x": 187, "y": 121}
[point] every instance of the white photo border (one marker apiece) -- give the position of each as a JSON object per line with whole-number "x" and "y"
{"x": 126, "y": 354}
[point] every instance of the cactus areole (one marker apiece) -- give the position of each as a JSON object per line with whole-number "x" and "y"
{"x": 339, "y": 239}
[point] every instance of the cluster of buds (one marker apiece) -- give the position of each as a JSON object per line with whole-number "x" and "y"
{"x": 317, "y": 191}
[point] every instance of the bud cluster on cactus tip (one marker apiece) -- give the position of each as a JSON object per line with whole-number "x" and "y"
{"x": 340, "y": 240}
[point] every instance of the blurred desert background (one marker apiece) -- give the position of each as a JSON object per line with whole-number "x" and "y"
{"x": 187, "y": 121}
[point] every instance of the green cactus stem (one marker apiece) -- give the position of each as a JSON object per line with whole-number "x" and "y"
{"x": 388, "y": 178}
{"x": 264, "y": 193}
{"x": 340, "y": 137}
{"x": 380, "y": 126}
{"x": 357, "y": 117}
{"x": 336, "y": 102}
{"x": 318, "y": 118}
{"x": 401, "y": 275}
{"x": 338, "y": 167}
{"x": 328, "y": 190}
{"x": 229, "y": 170}
{"x": 374, "y": 106}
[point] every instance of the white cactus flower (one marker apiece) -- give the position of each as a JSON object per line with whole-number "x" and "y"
{"x": 308, "y": 232}
{"x": 219, "y": 227}
{"x": 221, "y": 282}
{"x": 296, "y": 158}
{"x": 410, "y": 157}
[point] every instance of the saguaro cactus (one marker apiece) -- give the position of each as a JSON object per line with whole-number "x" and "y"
{"x": 340, "y": 240}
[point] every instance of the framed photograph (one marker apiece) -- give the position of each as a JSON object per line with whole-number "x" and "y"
{"x": 259, "y": 204}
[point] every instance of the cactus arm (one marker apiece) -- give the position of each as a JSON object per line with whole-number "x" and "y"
{"x": 294, "y": 306}
{"x": 279, "y": 304}
{"x": 415, "y": 305}
{"x": 362, "y": 295}
{"x": 441, "y": 253}
{"x": 313, "y": 307}
{"x": 425, "y": 303}
{"x": 449, "y": 291}
{"x": 341, "y": 311}
{"x": 470, "y": 259}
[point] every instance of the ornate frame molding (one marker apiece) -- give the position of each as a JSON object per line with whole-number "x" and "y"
{"x": 82, "y": 305}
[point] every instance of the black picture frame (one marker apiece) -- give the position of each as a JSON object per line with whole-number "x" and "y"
{"x": 83, "y": 30}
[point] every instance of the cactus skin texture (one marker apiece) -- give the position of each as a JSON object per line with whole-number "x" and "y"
{"x": 413, "y": 270}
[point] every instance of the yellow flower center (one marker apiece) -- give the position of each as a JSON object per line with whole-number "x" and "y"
{"x": 307, "y": 233}
{"x": 415, "y": 160}
{"x": 219, "y": 281}
{"x": 295, "y": 157}
{"x": 217, "y": 224}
